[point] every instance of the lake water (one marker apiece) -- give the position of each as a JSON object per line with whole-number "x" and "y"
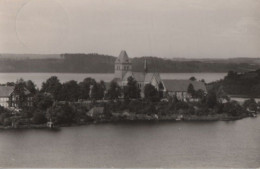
{"x": 38, "y": 78}
{"x": 155, "y": 144}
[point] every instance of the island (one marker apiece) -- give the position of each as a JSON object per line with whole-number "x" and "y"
{"x": 130, "y": 96}
{"x": 87, "y": 102}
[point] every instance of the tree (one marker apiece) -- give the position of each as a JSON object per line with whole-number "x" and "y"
{"x": 161, "y": 88}
{"x": 131, "y": 90}
{"x": 233, "y": 108}
{"x": 39, "y": 118}
{"x": 151, "y": 93}
{"x": 255, "y": 90}
{"x": 199, "y": 94}
{"x": 203, "y": 80}
{"x": 114, "y": 91}
{"x": 19, "y": 96}
{"x": 211, "y": 99}
{"x": 191, "y": 90}
{"x": 250, "y": 104}
{"x": 31, "y": 86}
{"x": 97, "y": 90}
{"x": 85, "y": 87}
{"x": 193, "y": 78}
{"x": 42, "y": 101}
{"x": 52, "y": 86}
{"x": 231, "y": 75}
{"x": 70, "y": 91}
{"x": 101, "y": 89}
{"x": 61, "y": 113}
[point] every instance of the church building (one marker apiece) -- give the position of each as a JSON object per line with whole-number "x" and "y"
{"x": 123, "y": 70}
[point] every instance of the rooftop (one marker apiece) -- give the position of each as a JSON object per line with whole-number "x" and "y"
{"x": 6, "y": 91}
{"x": 182, "y": 85}
{"x": 140, "y": 76}
{"x": 123, "y": 57}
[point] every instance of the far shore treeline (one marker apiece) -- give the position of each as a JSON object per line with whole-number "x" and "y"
{"x": 69, "y": 103}
{"x": 87, "y": 63}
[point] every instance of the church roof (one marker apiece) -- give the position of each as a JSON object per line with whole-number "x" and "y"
{"x": 182, "y": 85}
{"x": 140, "y": 76}
{"x": 123, "y": 57}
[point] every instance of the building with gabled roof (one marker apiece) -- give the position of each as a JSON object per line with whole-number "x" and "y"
{"x": 123, "y": 70}
{"x": 8, "y": 97}
{"x": 5, "y": 95}
{"x": 179, "y": 88}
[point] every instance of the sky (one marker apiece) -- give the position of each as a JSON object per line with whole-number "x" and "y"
{"x": 162, "y": 28}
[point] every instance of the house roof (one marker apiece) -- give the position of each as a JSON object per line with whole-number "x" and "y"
{"x": 123, "y": 57}
{"x": 6, "y": 91}
{"x": 182, "y": 85}
{"x": 140, "y": 76}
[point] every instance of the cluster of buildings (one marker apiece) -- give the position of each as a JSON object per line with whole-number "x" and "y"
{"x": 170, "y": 87}
{"x": 123, "y": 70}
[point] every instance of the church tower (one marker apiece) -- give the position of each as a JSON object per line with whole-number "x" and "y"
{"x": 122, "y": 65}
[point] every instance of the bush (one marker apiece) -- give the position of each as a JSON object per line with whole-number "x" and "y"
{"x": 181, "y": 105}
{"x": 233, "y": 108}
{"x": 135, "y": 106}
{"x": 62, "y": 113}
{"x": 7, "y": 122}
{"x": 39, "y": 118}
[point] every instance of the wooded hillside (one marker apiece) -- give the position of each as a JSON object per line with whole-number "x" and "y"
{"x": 95, "y": 63}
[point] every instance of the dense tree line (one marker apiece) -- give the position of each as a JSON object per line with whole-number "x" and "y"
{"x": 247, "y": 84}
{"x": 95, "y": 63}
{"x": 61, "y": 102}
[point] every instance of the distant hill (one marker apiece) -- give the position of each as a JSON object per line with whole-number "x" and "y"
{"x": 240, "y": 84}
{"x": 96, "y": 63}
{"x": 255, "y": 61}
{"x": 29, "y": 56}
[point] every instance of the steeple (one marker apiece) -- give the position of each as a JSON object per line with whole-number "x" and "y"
{"x": 123, "y": 57}
{"x": 122, "y": 65}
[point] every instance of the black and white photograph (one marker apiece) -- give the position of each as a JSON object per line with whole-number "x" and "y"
{"x": 130, "y": 84}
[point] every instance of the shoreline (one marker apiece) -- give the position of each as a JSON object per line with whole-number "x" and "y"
{"x": 102, "y": 121}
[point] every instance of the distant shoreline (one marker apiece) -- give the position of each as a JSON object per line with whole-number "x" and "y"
{"x": 98, "y": 63}
{"x": 114, "y": 121}
{"x": 105, "y": 72}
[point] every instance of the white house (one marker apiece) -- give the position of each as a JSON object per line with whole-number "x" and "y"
{"x": 5, "y": 95}
{"x": 8, "y": 98}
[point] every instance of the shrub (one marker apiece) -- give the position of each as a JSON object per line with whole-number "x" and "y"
{"x": 39, "y": 118}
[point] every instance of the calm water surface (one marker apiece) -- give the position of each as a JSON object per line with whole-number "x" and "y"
{"x": 161, "y": 144}
{"x": 38, "y": 78}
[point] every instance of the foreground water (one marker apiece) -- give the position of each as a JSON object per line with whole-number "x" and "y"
{"x": 155, "y": 144}
{"x": 38, "y": 78}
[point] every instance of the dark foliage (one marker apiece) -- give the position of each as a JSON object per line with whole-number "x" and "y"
{"x": 114, "y": 91}
{"x": 131, "y": 90}
{"x": 88, "y": 63}
{"x": 52, "y": 86}
{"x": 151, "y": 93}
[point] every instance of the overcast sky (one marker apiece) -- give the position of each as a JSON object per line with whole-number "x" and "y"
{"x": 163, "y": 28}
